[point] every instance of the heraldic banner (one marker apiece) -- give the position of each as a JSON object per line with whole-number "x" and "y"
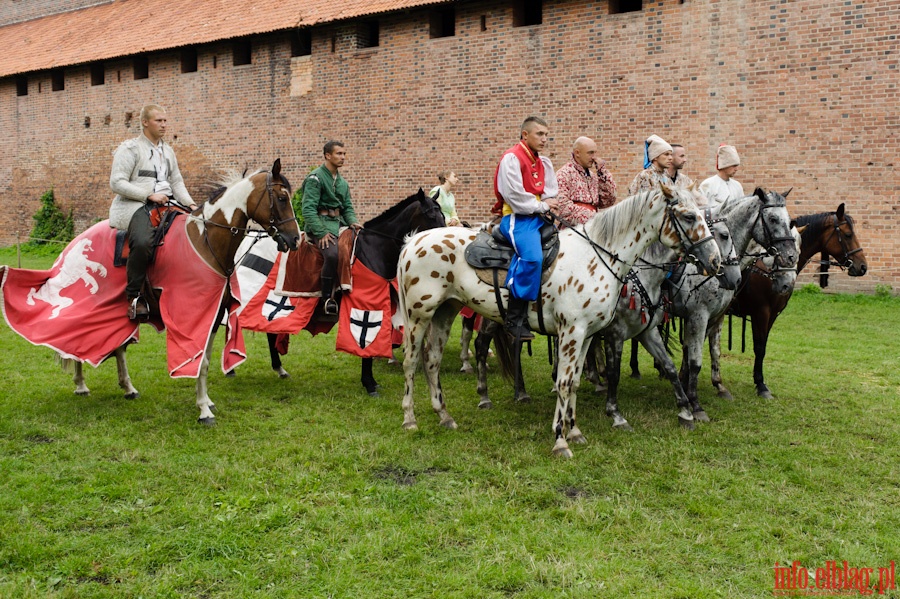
{"x": 78, "y": 307}
{"x": 364, "y": 325}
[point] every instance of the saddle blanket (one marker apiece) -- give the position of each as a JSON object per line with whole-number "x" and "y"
{"x": 364, "y": 322}
{"x": 78, "y": 307}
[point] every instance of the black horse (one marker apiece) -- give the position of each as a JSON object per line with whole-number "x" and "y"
{"x": 378, "y": 248}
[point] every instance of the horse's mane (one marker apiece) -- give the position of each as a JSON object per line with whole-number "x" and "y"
{"x": 391, "y": 212}
{"x": 613, "y": 223}
{"x": 815, "y": 223}
{"x": 232, "y": 177}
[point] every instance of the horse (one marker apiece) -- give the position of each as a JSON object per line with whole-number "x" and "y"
{"x": 214, "y": 231}
{"x": 830, "y": 233}
{"x": 576, "y": 300}
{"x": 701, "y": 301}
{"x": 378, "y": 248}
{"x": 639, "y": 318}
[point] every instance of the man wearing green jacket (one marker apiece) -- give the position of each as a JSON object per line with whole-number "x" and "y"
{"x": 326, "y": 208}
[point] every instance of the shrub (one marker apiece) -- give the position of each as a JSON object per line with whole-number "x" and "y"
{"x": 883, "y": 290}
{"x": 51, "y": 223}
{"x": 810, "y": 289}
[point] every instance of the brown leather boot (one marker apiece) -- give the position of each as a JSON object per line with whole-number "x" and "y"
{"x": 517, "y": 320}
{"x": 138, "y": 309}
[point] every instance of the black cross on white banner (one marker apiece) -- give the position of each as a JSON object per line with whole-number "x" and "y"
{"x": 364, "y": 325}
{"x": 281, "y": 306}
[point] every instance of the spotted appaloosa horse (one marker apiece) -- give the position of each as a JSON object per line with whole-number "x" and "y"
{"x": 215, "y": 230}
{"x": 701, "y": 302}
{"x": 577, "y": 299}
{"x": 831, "y": 233}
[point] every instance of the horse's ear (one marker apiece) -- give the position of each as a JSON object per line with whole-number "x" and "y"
{"x": 839, "y": 213}
{"x": 800, "y": 230}
{"x": 785, "y": 194}
{"x": 761, "y": 194}
{"x": 667, "y": 191}
{"x": 276, "y": 168}
{"x": 793, "y": 224}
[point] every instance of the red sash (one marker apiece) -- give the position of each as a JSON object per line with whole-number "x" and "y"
{"x": 532, "y": 168}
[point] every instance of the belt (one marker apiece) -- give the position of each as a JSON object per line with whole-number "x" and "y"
{"x": 332, "y": 212}
{"x": 585, "y": 205}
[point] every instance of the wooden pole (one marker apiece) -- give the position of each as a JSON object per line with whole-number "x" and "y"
{"x": 18, "y": 250}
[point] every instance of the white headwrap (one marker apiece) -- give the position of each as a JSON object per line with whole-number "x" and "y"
{"x": 653, "y": 147}
{"x": 727, "y": 156}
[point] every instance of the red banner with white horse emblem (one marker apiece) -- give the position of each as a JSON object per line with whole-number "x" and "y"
{"x": 364, "y": 325}
{"x": 78, "y": 307}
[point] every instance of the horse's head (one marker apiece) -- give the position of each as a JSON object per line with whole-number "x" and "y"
{"x": 418, "y": 212}
{"x": 842, "y": 245}
{"x": 269, "y": 204}
{"x": 429, "y": 214}
{"x": 729, "y": 275}
{"x": 685, "y": 230}
{"x": 772, "y": 228}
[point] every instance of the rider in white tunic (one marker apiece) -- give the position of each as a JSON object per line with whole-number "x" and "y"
{"x": 723, "y": 186}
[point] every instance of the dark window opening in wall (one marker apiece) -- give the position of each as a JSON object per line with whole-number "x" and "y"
{"x": 367, "y": 34}
{"x": 189, "y": 60}
{"x": 619, "y": 6}
{"x": 333, "y": 43}
{"x": 241, "y": 52}
{"x": 215, "y": 61}
{"x": 443, "y": 23}
{"x": 21, "y": 85}
{"x": 484, "y": 22}
{"x": 141, "y": 66}
{"x": 301, "y": 42}
{"x": 527, "y": 12}
{"x": 98, "y": 74}
{"x": 57, "y": 80}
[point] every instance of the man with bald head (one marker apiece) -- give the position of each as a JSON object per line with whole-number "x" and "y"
{"x": 585, "y": 185}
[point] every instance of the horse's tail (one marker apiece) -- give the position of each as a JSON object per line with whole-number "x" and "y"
{"x": 66, "y": 364}
{"x": 401, "y": 297}
{"x": 505, "y": 351}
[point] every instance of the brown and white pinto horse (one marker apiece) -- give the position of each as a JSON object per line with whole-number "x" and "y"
{"x": 830, "y": 233}
{"x": 214, "y": 231}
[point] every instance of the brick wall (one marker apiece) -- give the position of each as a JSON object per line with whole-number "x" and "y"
{"x": 805, "y": 90}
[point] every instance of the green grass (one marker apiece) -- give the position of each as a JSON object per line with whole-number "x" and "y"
{"x": 310, "y": 488}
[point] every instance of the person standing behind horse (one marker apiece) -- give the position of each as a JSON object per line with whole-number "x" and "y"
{"x": 327, "y": 207}
{"x": 581, "y": 193}
{"x": 657, "y": 158}
{"x": 144, "y": 175}
{"x": 446, "y": 200}
{"x": 525, "y": 185}
{"x": 679, "y": 159}
{"x": 723, "y": 186}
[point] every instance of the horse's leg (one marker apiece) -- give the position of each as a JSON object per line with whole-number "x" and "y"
{"x": 124, "y": 379}
{"x": 635, "y": 369}
{"x": 572, "y": 351}
{"x": 203, "y": 401}
{"x": 520, "y": 394}
{"x": 613, "y": 364}
{"x": 441, "y": 323}
{"x": 78, "y": 379}
{"x": 275, "y": 357}
{"x": 413, "y": 341}
{"x": 715, "y": 354}
{"x": 595, "y": 364}
{"x": 482, "y": 344}
{"x": 653, "y": 343}
{"x": 368, "y": 378}
{"x": 762, "y": 322}
{"x": 465, "y": 338}
{"x": 694, "y": 329}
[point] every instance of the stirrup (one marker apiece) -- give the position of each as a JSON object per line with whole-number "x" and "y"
{"x": 331, "y": 307}
{"x": 138, "y": 309}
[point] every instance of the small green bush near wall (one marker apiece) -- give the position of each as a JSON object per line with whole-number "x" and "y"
{"x": 51, "y": 223}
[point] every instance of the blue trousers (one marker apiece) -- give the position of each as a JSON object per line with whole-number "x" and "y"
{"x": 524, "y": 232}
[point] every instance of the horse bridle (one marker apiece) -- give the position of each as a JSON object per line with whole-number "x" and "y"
{"x": 682, "y": 233}
{"x": 847, "y": 261}
{"x": 771, "y": 240}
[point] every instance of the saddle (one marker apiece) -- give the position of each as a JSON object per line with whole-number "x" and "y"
{"x": 300, "y": 274}
{"x": 491, "y": 253}
{"x": 164, "y": 222}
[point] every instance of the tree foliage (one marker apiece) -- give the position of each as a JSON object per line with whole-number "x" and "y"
{"x": 51, "y": 223}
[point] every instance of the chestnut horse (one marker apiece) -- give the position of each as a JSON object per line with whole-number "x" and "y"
{"x": 831, "y": 233}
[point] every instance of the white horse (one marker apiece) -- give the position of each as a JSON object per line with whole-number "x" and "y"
{"x": 577, "y": 299}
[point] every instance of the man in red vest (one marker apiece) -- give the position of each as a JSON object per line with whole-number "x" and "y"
{"x": 525, "y": 185}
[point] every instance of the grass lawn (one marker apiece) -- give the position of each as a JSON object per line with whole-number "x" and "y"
{"x": 310, "y": 488}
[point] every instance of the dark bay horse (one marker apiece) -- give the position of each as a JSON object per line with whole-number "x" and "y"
{"x": 831, "y": 233}
{"x": 208, "y": 240}
{"x": 378, "y": 248}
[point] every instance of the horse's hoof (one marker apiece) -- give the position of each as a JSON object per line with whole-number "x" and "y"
{"x": 686, "y": 424}
{"x": 284, "y": 374}
{"x": 372, "y": 392}
{"x": 134, "y": 395}
{"x": 726, "y": 394}
{"x": 230, "y": 374}
{"x": 600, "y": 389}
{"x": 765, "y": 394}
{"x": 623, "y": 426}
{"x": 211, "y": 421}
{"x": 410, "y": 426}
{"x": 485, "y": 404}
{"x": 700, "y": 416}
{"x": 523, "y": 399}
{"x": 83, "y": 393}
{"x": 636, "y": 375}
{"x": 467, "y": 369}
{"x": 449, "y": 424}
{"x": 563, "y": 452}
{"x": 577, "y": 439}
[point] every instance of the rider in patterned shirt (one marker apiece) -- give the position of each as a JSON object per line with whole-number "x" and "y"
{"x": 581, "y": 193}
{"x": 657, "y": 158}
